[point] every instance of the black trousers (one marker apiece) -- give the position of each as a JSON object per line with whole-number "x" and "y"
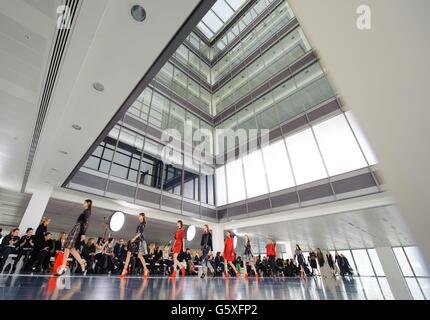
{"x": 42, "y": 260}
{"x": 6, "y": 251}
{"x": 272, "y": 264}
{"x": 27, "y": 259}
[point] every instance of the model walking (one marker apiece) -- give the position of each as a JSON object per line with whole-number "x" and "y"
{"x": 229, "y": 254}
{"x": 74, "y": 238}
{"x": 137, "y": 245}
{"x": 178, "y": 247}
{"x": 206, "y": 246}
{"x": 248, "y": 257}
{"x": 298, "y": 255}
{"x": 271, "y": 255}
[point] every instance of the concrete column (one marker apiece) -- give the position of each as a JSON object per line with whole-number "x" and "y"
{"x": 218, "y": 237}
{"x": 35, "y": 209}
{"x": 393, "y": 273}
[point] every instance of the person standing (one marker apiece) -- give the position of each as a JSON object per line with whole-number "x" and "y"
{"x": 178, "y": 247}
{"x": 74, "y": 238}
{"x": 206, "y": 246}
{"x": 312, "y": 258}
{"x": 271, "y": 255}
{"x": 321, "y": 263}
{"x": 248, "y": 257}
{"x": 137, "y": 245}
{"x": 298, "y": 255}
{"x": 229, "y": 254}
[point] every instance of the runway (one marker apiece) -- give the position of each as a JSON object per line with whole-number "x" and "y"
{"x": 103, "y": 287}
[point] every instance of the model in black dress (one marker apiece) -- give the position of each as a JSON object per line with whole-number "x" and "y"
{"x": 248, "y": 257}
{"x": 74, "y": 238}
{"x": 137, "y": 245}
{"x": 206, "y": 246}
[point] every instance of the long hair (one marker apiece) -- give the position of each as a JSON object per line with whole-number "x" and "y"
{"x": 89, "y": 202}
{"x": 142, "y": 214}
{"x": 207, "y": 228}
{"x": 181, "y": 223}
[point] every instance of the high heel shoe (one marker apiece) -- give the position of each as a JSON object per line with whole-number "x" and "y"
{"x": 226, "y": 276}
{"x": 146, "y": 273}
{"x": 183, "y": 272}
{"x": 84, "y": 268}
{"x": 123, "y": 275}
{"x": 246, "y": 276}
{"x": 237, "y": 274}
{"x": 61, "y": 270}
{"x": 173, "y": 275}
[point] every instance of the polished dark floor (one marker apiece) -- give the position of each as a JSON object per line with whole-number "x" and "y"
{"x": 43, "y": 287}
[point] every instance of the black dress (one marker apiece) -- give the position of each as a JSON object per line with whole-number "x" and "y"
{"x": 74, "y": 237}
{"x": 137, "y": 245}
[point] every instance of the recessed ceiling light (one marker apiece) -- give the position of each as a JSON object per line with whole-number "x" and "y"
{"x": 98, "y": 86}
{"x": 27, "y": 36}
{"x": 138, "y": 13}
{"x": 53, "y": 169}
{"x": 63, "y": 152}
{"x": 76, "y": 127}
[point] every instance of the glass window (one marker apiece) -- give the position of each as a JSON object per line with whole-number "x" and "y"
{"x": 277, "y": 165}
{"x": 173, "y": 179}
{"x": 417, "y": 261}
{"x": 403, "y": 262}
{"x": 363, "y": 263}
{"x": 348, "y": 257}
{"x": 414, "y": 288}
{"x": 151, "y": 166}
{"x": 376, "y": 263}
{"x": 235, "y": 181}
{"x": 425, "y": 286}
{"x": 338, "y": 146}
{"x": 254, "y": 174}
{"x": 220, "y": 186}
{"x": 305, "y": 157}
{"x": 362, "y": 139}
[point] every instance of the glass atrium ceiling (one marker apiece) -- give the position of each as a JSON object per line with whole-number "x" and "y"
{"x": 221, "y": 12}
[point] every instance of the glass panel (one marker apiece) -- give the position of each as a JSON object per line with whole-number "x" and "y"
{"x": 362, "y": 139}
{"x": 417, "y": 261}
{"x": 236, "y": 185}
{"x": 363, "y": 263}
{"x": 338, "y": 146}
{"x": 403, "y": 262}
{"x": 151, "y": 165}
{"x": 414, "y": 288}
{"x": 254, "y": 174}
{"x": 375, "y": 262}
{"x": 305, "y": 158}
{"x": 207, "y": 184}
{"x": 277, "y": 165}
{"x": 220, "y": 184}
{"x": 425, "y": 286}
{"x": 385, "y": 287}
{"x": 191, "y": 181}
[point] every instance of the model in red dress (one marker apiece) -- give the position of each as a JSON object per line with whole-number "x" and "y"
{"x": 229, "y": 254}
{"x": 178, "y": 247}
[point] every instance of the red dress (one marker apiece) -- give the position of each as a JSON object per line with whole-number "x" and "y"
{"x": 179, "y": 236}
{"x": 270, "y": 250}
{"x": 229, "y": 249}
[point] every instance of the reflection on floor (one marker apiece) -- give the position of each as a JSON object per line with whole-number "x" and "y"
{"x": 17, "y": 287}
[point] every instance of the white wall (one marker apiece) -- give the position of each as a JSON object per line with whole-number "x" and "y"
{"x": 383, "y": 75}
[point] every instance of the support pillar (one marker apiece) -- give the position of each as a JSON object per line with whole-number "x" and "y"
{"x": 394, "y": 274}
{"x": 218, "y": 237}
{"x": 35, "y": 209}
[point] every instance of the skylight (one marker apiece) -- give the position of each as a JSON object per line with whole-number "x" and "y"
{"x": 218, "y": 16}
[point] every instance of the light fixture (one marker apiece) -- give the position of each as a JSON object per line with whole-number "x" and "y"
{"x": 235, "y": 241}
{"x": 98, "y": 86}
{"x": 138, "y": 13}
{"x": 116, "y": 221}
{"x": 191, "y": 232}
{"x": 63, "y": 152}
{"x": 76, "y": 127}
{"x": 53, "y": 169}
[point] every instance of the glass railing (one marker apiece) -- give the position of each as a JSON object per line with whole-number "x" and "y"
{"x": 258, "y": 73}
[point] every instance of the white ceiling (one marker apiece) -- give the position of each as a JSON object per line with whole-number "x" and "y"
{"x": 372, "y": 227}
{"x": 26, "y": 32}
{"x": 105, "y": 45}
